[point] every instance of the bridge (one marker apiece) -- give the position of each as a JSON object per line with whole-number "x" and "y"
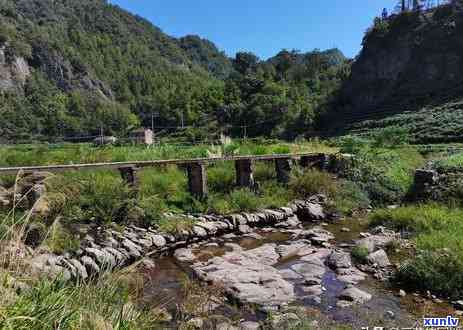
{"x": 196, "y": 168}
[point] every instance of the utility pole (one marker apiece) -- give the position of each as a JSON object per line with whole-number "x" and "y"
{"x": 153, "y": 116}
{"x": 101, "y": 134}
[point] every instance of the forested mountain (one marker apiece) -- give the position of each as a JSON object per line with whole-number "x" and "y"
{"x": 71, "y": 67}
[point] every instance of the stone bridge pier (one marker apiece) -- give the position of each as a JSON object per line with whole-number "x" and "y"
{"x": 244, "y": 167}
{"x": 197, "y": 180}
{"x": 283, "y": 168}
{"x": 244, "y": 173}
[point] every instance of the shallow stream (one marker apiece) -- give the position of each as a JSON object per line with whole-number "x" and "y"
{"x": 164, "y": 285}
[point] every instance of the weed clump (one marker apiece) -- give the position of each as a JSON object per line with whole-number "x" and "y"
{"x": 311, "y": 182}
{"x": 437, "y": 231}
{"x": 360, "y": 254}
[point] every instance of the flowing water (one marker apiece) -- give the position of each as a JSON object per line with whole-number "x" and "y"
{"x": 164, "y": 285}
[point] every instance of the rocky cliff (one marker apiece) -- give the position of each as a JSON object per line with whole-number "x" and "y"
{"x": 408, "y": 61}
{"x": 14, "y": 71}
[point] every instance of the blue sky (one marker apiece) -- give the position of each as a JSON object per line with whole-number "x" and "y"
{"x": 265, "y": 26}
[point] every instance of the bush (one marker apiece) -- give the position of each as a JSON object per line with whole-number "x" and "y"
{"x": 390, "y": 137}
{"x": 154, "y": 209}
{"x": 360, "y": 254}
{"x": 244, "y": 200}
{"x": 437, "y": 230}
{"x": 350, "y": 197}
{"x": 274, "y": 195}
{"x": 308, "y": 183}
{"x": 169, "y": 184}
{"x": 221, "y": 177}
{"x": 385, "y": 174}
{"x": 264, "y": 171}
{"x": 352, "y": 144}
{"x": 99, "y": 196}
{"x": 439, "y": 272}
{"x": 219, "y": 204}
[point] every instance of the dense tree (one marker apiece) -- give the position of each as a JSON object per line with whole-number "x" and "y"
{"x": 96, "y": 66}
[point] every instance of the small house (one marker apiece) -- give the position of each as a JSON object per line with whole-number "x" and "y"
{"x": 142, "y": 136}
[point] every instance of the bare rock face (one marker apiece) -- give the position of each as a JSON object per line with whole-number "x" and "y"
{"x": 13, "y": 72}
{"x": 66, "y": 75}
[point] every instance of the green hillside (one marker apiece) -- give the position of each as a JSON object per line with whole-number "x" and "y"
{"x": 69, "y": 68}
{"x": 407, "y": 74}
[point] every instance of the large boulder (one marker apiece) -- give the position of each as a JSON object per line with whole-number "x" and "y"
{"x": 5, "y": 198}
{"x": 339, "y": 259}
{"x": 355, "y": 295}
{"x": 249, "y": 276}
{"x": 379, "y": 258}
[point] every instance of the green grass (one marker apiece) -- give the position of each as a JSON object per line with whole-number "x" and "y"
{"x": 451, "y": 163}
{"x": 30, "y": 155}
{"x": 99, "y": 196}
{"x": 433, "y": 124}
{"x": 360, "y": 254}
{"x": 310, "y": 182}
{"x": 385, "y": 174}
{"x": 349, "y": 197}
{"x": 54, "y": 305}
{"x": 437, "y": 230}
{"x": 419, "y": 219}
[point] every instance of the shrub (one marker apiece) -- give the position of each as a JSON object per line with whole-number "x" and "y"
{"x": 439, "y": 272}
{"x": 311, "y": 182}
{"x": 99, "y": 196}
{"x": 154, "y": 208}
{"x": 352, "y": 144}
{"x": 437, "y": 230}
{"x": 166, "y": 183}
{"x": 350, "y": 196}
{"x": 264, "y": 171}
{"x": 386, "y": 175}
{"x": 244, "y": 200}
{"x": 221, "y": 177}
{"x": 360, "y": 254}
{"x": 274, "y": 195}
{"x": 391, "y": 137}
{"x": 174, "y": 225}
{"x": 219, "y": 204}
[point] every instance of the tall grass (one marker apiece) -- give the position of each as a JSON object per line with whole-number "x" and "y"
{"x": 437, "y": 231}
{"x": 99, "y": 196}
{"x": 451, "y": 163}
{"x": 29, "y": 155}
{"x": 104, "y": 304}
{"x": 311, "y": 182}
{"x": 385, "y": 174}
